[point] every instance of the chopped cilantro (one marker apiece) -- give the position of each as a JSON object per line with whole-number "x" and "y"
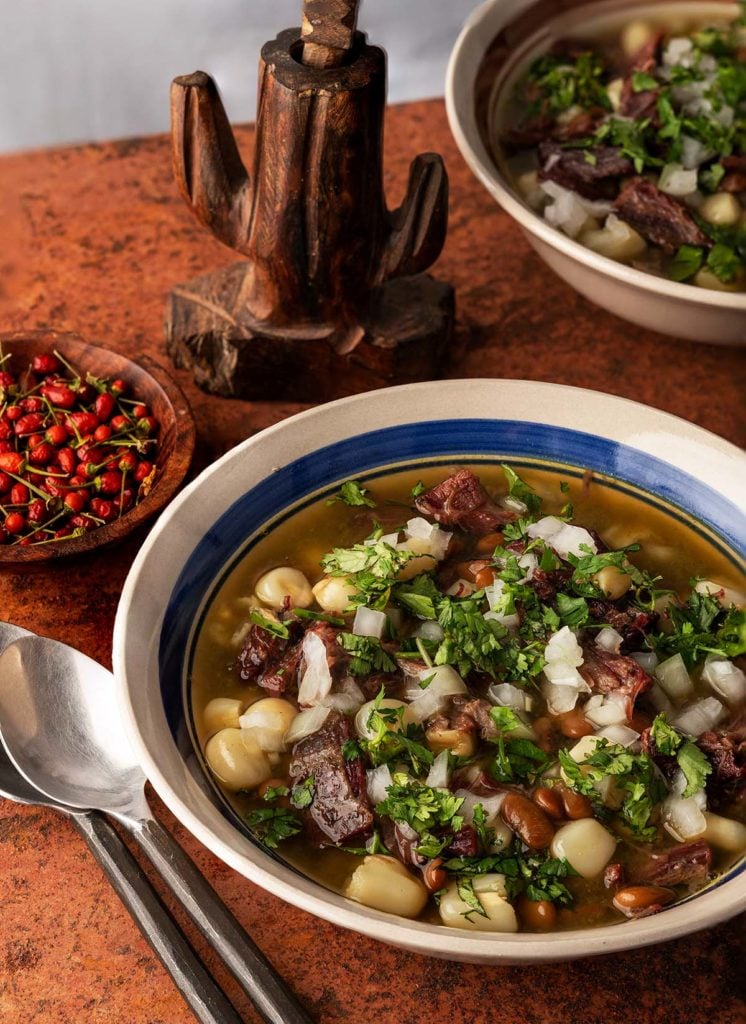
{"x": 314, "y": 616}
{"x": 573, "y": 611}
{"x": 275, "y": 628}
{"x": 466, "y": 893}
{"x": 694, "y": 765}
{"x": 373, "y": 567}
{"x": 351, "y": 493}
{"x": 667, "y": 741}
{"x": 641, "y": 81}
{"x": 272, "y": 825}
{"x": 518, "y": 761}
{"x": 505, "y": 719}
{"x": 686, "y": 262}
{"x": 367, "y": 654}
{"x": 723, "y": 262}
{"x": 710, "y": 178}
{"x": 518, "y": 488}
{"x": 535, "y": 874}
{"x": 418, "y": 489}
{"x": 701, "y": 627}
{"x": 274, "y": 793}
{"x": 351, "y": 750}
{"x": 302, "y": 794}
{"x": 421, "y": 806}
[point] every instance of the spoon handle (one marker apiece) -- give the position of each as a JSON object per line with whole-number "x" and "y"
{"x": 205, "y": 999}
{"x": 271, "y": 997}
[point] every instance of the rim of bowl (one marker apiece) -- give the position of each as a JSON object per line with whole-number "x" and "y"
{"x": 459, "y": 72}
{"x": 711, "y": 907}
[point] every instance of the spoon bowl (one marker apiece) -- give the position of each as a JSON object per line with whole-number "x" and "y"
{"x": 61, "y": 729}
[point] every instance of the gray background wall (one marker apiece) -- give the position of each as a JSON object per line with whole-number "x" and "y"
{"x": 72, "y": 70}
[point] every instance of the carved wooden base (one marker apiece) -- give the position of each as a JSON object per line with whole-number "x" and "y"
{"x": 404, "y": 338}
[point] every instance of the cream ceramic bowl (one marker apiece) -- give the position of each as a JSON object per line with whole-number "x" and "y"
{"x": 494, "y": 45}
{"x": 210, "y": 524}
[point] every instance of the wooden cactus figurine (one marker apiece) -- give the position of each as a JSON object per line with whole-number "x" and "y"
{"x": 331, "y": 298}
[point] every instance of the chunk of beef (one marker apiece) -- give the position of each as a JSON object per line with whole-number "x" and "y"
{"x": 470, "y": 713}
{"x": 528, "y": 133}
{"x": 259, "y": 650}
{"x": 589, "y": 172}
{"x": 649, "y": 55}
{"x": 631, "y": 623}
{"x": 614, "y": 673}
{"x": 726, "y": 752}
{"x": 686, "y": 864}
{"x": 583, "y": 124}
{"x": 339, "y": 810}
{"x": 735, "y": 179}
{"x": 638, "y": 104}
{"x": 547, "y": 582}
{"x": 281, "y": 678}
{"x": 460, "y": 500}
{"x": 657, "y": 217}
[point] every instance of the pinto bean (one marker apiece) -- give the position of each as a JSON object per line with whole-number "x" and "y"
{"x": 527, "y": 820}
{"x": 574, "y": 724}
{"x": 546, "y": 734}
{"x": 550, "y": 802}
{"x": 487, "y": 544}
{"x": 539, "y": 915}
{"x": 575, "y": 804}
{"x": 636, "y": 898}
{"x": 434, "y": 876}
{"x": 485, "y": 577}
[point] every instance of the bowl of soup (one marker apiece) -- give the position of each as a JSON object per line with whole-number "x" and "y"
{"x": 613, "y": 133}
{"x": 454, "y": 675}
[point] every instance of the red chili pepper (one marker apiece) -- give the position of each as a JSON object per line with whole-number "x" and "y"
{"x": 6, "y": 430}
{"x": 64, "y": 531}
{"x": 109, "y": 482}
{"x": 118, "y": 386}
{"x": 126, "y": 500}
{"x": 77, "y": 481}
{"x": 19, "y": 494}
{"x": 102, "y": 433}
{"x": 128, "y": 462}
{"x": 7, "y": 446}
{"x": 147, "y": 425}
{"x": 42, "y": 454}
{"x": 46, "y": 362}
{"x": 6, "y": 483}
{"x": 143, "y": 470}
{"x": 67, "y": 460}
{"x": 13, "y": 413}
{"x": 33, "y": 404}
{"x": 7, "y": 380}
{"x": 140, "y": 410}
{"x": 74, "y": 502}
{"x": 83, "y": 522}
{"x": 14, "y": 522}
{"x": 60, "y": 395}
{"x": 104, "y": 406}
{"x": 120, "y": 423}
{"x": 89, "y": 452}
{"x": 12, "y": 462}
{"x": 85, "y": 422}
{"x": 51, "y": 486}
{"x": 37, "y": 511}
{"x": 34, "y": 439}
{"x": 103, "y": 509}
{"x": 56, "y": 434}
{"x": 29, "y": 424}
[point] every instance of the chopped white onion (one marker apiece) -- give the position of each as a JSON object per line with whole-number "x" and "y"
{"x": 725, "y": 595}
{"x": 267, "y": 722}
{"x": 561, "y": 673}
{"x": 676, "y": 181}
{"x": 609, "y": 640}
{"x": 530, "y": 563}
{"x": 499, "y": 603}
{"x": 620, "y": 734}
{"x": 430, "y": 630}
{"x": 515, "y": 504}
{"x": 440, "y": 772}
{"x": 349, "y": 699}
{"x": 316, "y": 681}
{"x": 507, "y": 696}
{"x": 674, "y": 678}
{"x": 683, "y": 818}
{"x": 699, "y": 717}
{"x": 604, "y": 712}
{"x": 563, "y": 646}
{"x": 645, "y": 659}
{"x": 305, "y": 723}
{"x": 678, "y": 51}
{"x": 432, "y": 540}
{"x": 369, "y": 622}
{"x": 659, "y": 699}
{"x": 444, "y": 682}
{"x": 678, "y": 788}
{"x": 560, "y": 698}
{"x": 693, "y": 152}
{"x": 491, "y": 804}
{"x": 572, "y": 540}
{"x": 379, "y": 780}
{"x": 544, "y": 529}
{"x": 726, "y": 679}
{"x": 509, "y": 621}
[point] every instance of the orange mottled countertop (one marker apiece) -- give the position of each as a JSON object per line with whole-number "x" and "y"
{"x": 93, "y": 237}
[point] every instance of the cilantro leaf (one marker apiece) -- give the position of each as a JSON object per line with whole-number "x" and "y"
{"x": 519, "y": 489}
{"x": 272, "y": 825}
{"x": 418, "y": 489}
{"x": 518, "y": 761}
{"x": 694, "y": 765}
{"x": 421, "y": 806}
{"x": 353, "y": 494}
{"x": 667, "y": 741}
{"x": 367, "y": 653}
{"x": 723, "y": 262}
{"x": 686, "y": 262}
{"x": 302, "y": 794}
{"x": 641, "y": 81}
{"x": 573, "y": 611}
{"x": 271, "y": 626}
{"x": 505, "y": 719}
{"x": 466, "y": 893}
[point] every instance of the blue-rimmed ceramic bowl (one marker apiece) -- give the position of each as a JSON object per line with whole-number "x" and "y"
{"x": 199, "y": 537}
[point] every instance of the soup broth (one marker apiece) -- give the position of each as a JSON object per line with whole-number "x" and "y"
{"x": 672, "y": 550}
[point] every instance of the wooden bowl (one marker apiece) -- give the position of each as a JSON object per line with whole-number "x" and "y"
{"x": 149, "y": 382}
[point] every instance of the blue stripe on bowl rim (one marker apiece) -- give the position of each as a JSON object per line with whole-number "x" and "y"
{"x": 398, "y": 448}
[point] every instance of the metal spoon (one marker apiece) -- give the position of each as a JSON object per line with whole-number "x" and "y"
{"x": 202, "y": 994}
{"x": 60, "y": 725}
